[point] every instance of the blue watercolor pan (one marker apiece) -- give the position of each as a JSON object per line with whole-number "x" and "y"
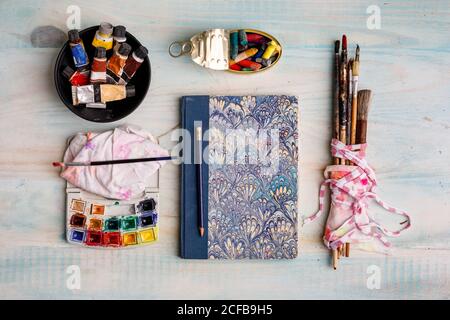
{"x": 77, "y": 235}
{"x": 146, "y": 220}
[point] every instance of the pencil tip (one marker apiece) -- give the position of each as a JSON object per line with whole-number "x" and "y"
{"x": 202, "y": 231}
{"x": 58, "y": 164}
{"x": 337, "y": 44}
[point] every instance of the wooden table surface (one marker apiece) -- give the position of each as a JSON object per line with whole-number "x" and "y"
{"x": 406, "y": 63}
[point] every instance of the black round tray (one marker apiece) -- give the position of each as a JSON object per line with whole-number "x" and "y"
{"x": 115, "y": 110}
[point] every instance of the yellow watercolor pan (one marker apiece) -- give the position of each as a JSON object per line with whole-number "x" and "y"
{"x": 148, "y": 235}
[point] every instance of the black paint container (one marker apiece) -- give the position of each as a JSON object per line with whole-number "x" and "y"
{"x": 115, "y": 110}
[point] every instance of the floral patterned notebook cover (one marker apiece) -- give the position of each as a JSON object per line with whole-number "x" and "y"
{"x": 252, "y": 177}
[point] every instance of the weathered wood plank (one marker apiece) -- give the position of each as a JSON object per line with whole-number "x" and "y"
{"x": 406, "y": 63}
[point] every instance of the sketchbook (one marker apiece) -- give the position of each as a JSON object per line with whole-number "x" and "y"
{"x": 250, "y": 175}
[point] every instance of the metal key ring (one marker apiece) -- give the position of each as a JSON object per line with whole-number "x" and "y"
{"x": 183, "y": 48}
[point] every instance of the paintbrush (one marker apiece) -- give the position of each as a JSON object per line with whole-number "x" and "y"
{"x": 343, "y": 88}
{"x": 355, "y": 75}
{"x": 349, "y": 102}
{"x": 335, "y": 128}
{"x": 109, "y": 162}
{"x": 335, "y": 258}
{"x": 343, "y": 79}
{"x": 336, "y": 118}
{"x": 364, "y": 100}
{"x": 354, "y": 112}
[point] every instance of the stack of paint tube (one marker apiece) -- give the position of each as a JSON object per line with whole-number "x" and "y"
{"x": 94, "y": 84}
{"x": 251, "y": 51}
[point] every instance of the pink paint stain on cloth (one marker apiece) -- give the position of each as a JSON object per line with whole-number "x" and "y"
{"x": 120, "y": 181}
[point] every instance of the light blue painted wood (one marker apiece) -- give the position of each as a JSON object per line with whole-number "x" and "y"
{"x": 406, "y": 63}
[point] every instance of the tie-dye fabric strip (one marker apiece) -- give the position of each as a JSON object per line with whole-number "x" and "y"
{"x": 352, "y": 187}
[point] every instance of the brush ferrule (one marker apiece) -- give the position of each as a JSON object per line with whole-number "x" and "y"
{"x": 355, "y": 67}
{"x": 355, "y": 86}
{"x": 76, "y": 164}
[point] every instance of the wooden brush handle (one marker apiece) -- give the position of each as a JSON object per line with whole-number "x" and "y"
{"x": 343, "y": 134}
{"x": 354, "y": 122}
{"x": 121, "y": 161}
{"x": 335, "y": 128}
{"x": 343, "y": 86}
{"x": 361, "y": 131}
{"x": 336, "y": 99}
{"x": 343, "y": 138}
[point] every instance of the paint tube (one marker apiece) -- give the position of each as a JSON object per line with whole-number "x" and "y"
{"x": 96, "y": 95}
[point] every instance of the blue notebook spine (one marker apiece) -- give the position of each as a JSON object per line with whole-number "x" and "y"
{"x": 194, "y": 109}
{"x": 182, "y": 196}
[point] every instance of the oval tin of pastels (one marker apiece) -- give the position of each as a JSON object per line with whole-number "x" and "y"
{"x": 211, "y": 49}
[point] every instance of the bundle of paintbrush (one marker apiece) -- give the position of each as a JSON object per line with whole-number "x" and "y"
{"x": 345, "y": 111}
{"x": 350, "y": 178}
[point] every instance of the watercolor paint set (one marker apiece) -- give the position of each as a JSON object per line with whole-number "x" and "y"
{"x": 94, "y": 221}
{"x": 98, "y": 222}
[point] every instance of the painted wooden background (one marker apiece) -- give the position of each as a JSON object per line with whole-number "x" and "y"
{"x": 406, "y": 63}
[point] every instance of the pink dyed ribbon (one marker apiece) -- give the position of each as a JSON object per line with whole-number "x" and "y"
{"x": 349, "y": 198}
